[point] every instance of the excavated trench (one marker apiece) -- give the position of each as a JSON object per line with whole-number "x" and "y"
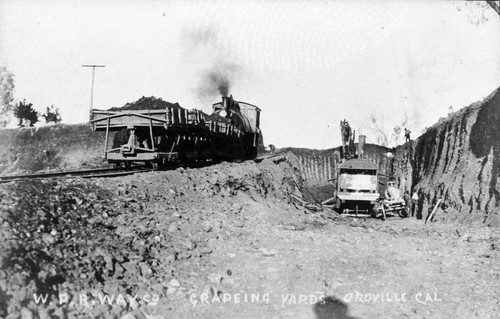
{"x": 457, "y": 159}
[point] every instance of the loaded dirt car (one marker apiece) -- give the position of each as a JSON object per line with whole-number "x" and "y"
{"x": 158, "y": 137}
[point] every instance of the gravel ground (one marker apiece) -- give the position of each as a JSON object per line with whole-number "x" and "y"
{"x": 225, "y": 242}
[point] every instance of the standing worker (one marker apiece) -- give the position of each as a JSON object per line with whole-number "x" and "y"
{"x": 345, "y": 130}
{"x": 407, "y": 200}
{"x": 414, "y": 199}
{"x": 407, "y": 135}
{"x": 272, "y": 148}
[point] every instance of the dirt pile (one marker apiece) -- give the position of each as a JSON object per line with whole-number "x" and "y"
{"x": 147, "y": 103}
{"x": 77, "y": 243}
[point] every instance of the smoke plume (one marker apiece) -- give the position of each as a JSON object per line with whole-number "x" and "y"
{"x": 217, "y": 80}
{"x": 217, "y": 68}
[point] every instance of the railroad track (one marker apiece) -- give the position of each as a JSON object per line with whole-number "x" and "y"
{"x": 88, "y": 173}
{"x": 99, "y": 172}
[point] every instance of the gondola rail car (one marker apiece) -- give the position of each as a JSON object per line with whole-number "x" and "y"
{"x": 158, "y": 137}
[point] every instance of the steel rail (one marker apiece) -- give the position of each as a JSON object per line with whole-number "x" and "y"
{"x": 87, "y": 173}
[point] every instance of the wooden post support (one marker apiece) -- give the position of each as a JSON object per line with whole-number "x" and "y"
{"x": 151, "y": 134}
{"x": 106, "y": 141}
{"x": 433, "y": 211}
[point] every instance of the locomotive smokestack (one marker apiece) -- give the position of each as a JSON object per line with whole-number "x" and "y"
{"x": 361, "y": 145}
{"x": 225, "y": 102}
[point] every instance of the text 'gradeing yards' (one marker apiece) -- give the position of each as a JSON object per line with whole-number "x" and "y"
{"x": 310, "y": 299}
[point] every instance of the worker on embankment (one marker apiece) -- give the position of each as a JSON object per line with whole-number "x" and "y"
{"x": 407, "y": 135}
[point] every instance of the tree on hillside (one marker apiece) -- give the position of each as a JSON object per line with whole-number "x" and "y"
{"x": 384, "y": 136}
{"x": 25, "y": 114}
{"x": 52, "y": 114}
{"x": 378, "y": 130}
{"x": 6, "y": 95}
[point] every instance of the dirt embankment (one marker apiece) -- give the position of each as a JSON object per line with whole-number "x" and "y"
{"x": 457, "y": 159}
{"x": 50, "y": 147}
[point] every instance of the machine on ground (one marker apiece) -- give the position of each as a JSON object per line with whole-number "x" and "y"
{"x": 358, "y": 183}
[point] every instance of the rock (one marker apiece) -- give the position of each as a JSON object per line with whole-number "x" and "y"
{"x": 147, "y": 316}
{"x": 43, "y": 314}
{"x": 188, "y": 244}
{"x": 172, "y": 227}
{"x": 117, "y": 310}
{"x": 302, "y": 227}
{"x": 129, "y": 316}
{"x": 229, "y": 282}
{"x": 132, "y": 302}
{"x": 239, "y": 223}
{"x": 174, "y": 283}
{"x": 183, "y": 255}
{"x": 207, "y": 227}
{"x": 205, "y": 251}
{"x": 215, "y": 278}
{"x": 169, "y": 259}
{"x": 48, "y": 239}
{"x": 158, "y": 288}
{"x": 268, "y": 252}
{"x": 42, "y": 275}
{"x": 157, "y": 238}
{"x": 26, "y": 313}
{"x": 146, "y": 271}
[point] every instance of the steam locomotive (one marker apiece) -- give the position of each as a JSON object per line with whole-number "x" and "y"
{"x": 159, "y": 137}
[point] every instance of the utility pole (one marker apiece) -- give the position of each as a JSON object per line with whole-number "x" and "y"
{"x": 93, "y": 66}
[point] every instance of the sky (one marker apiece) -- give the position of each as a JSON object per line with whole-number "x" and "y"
{"x": 307, "y": 64}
